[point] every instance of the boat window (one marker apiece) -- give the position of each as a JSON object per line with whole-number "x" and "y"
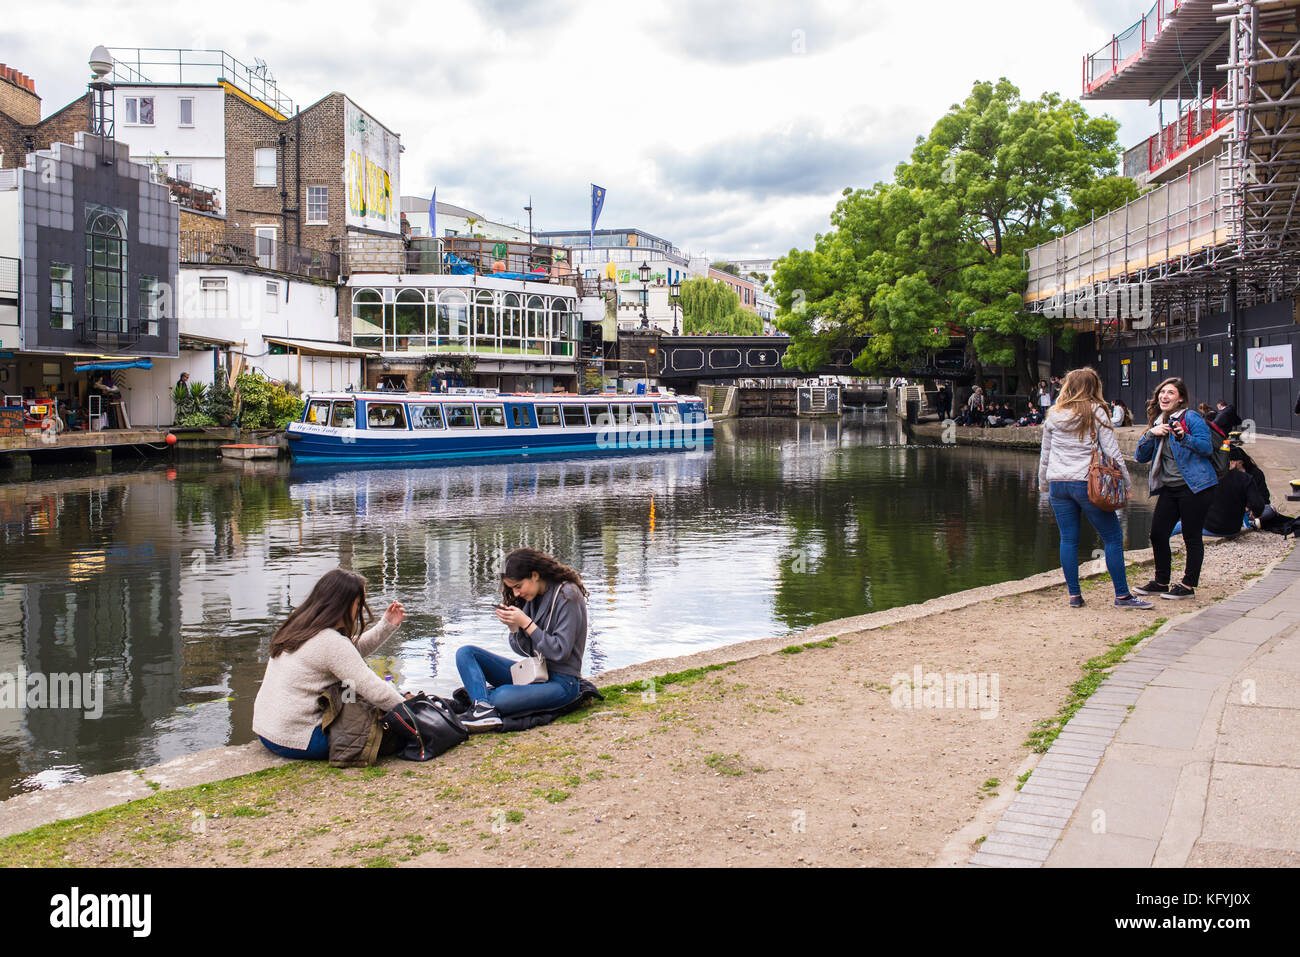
{"x": 599, "y": 414}
{"x": 520, "y": 418}
{"x": 574, "y": 416}
{"x": 385, "y": 415}
{"x": 319, "y": 411}
{"x": 549, "y": 415}
{"x": 491, "y": 417}
{"x": 426, "y": 416}
{"x": 622, "y": 413}
{"x": 668, "y": 413}
{"x": 345, "y": 415}
{"x": 645, "y": 414}
{"x": 460, "y": 416}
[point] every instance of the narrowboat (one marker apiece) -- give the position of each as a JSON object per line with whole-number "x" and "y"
{"x": 478, "y": 423}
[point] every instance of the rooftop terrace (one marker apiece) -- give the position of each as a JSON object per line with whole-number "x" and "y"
{"x": 166, "y": 66}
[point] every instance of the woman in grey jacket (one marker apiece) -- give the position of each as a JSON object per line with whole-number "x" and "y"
{"x": 1075, "y": 424}
{"x": 544, "y": 603}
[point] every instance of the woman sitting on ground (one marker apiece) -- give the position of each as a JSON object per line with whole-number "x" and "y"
{"x": 544, "y": 603}
{"x": 320, "y": 644}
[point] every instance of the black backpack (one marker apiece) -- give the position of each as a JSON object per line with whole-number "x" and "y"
{"x": 423, "y": 728}
{"x": 1220, "y": 457}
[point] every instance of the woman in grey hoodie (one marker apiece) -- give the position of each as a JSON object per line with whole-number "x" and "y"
{"x": 1074, "y": 426}
{"x": 544, "y": 603}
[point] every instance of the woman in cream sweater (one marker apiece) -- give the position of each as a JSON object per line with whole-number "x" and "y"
{"x": 320, "y": 644}
{"x": 1078, "y": 422}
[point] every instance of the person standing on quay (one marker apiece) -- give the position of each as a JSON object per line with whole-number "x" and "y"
{"x": 1178, "y": 446}
{"x": 1077, "y": 422}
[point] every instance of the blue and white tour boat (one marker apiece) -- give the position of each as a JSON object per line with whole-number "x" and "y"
{"x": 477, "y": 423}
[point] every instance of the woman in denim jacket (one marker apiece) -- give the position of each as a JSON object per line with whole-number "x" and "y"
{"x": 1178, "y": 446}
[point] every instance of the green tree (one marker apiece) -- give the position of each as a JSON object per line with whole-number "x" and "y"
{"x": 712, "y": 306}
{"x": 938, "y": 251}
{"x": 730, "y": 268}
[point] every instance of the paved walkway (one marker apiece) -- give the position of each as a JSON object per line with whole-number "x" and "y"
{"x": 1187, "y": 755}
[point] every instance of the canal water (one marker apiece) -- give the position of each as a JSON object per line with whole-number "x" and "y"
{"x": 167, "y": 583}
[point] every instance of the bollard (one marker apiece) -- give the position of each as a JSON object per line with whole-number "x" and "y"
{"x": 913, "y": 411}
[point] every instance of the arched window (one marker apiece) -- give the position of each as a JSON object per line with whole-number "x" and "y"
{"x": 409, "y": 321}
{"x": 486, "y": 331}
{"x": 534, "y": 324}
{"x": 512, "y": 323}
{"x": 368, "y": 319}
{"x": 453, "y": 321}
{"x": 558, "y": 321}
{"x": 106, "y": 307}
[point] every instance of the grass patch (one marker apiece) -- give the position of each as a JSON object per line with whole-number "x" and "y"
{"x": 728, "y": 764}
{"x": 624, "y": 693}
{"x": 555, "y": 795}
{"x": 514, "y": 817}
{"x": 799, "y": 649}
{"x": 1020, "y": 781}
{"x": 1094, "y": 673}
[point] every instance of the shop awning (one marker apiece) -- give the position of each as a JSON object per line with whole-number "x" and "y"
{"x": 111, "y": 365}
{"x": 313, "y": 347}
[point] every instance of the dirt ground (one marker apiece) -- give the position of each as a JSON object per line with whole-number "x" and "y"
{"x": 783, "y": 759}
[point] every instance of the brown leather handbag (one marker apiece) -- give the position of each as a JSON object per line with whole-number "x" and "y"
{"x": 1106, "y": 488}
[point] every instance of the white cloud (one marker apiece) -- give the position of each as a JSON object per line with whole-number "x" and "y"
{"x": 724, "y": 128}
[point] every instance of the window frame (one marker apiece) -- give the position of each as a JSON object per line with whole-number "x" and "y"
{"x": 323, "y": 202}
{"x": 424, "y": 407}
{"x": 450, "y": 409}
{"x": 258, "y": 166}
{"x": 559, "y": 418}
{"x": 582, "y": 411}
{"x": 180, "y": 111}
{"x": 135, "y": 104}
{"x": 148, "y": 289}
{"x": 340, "y": 405}
{"x": 65, "y": 309}
{"x": 603, "y": 419}
{"x": 313, "y": 404}
{"x": 400, "y": 409}
{"x": 479, "y": 410}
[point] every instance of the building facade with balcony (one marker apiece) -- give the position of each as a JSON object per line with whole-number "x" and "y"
{"x": 518, "y": 336}
{"x": 92, "y": 239}
{"x": 1200, "y": 276}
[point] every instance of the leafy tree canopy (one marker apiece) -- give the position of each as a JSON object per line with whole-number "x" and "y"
{"x": 712, "y": 306}
{"x": 938, "y": 251}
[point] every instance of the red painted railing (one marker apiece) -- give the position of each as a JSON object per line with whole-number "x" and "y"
{"x": 1195, "y": 123}
{"x": 1126, "y": 47}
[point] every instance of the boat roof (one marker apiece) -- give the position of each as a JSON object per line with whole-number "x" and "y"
{"x": 394, "y": 395}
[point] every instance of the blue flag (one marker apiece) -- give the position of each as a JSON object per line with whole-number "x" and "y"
{"x": 597, "y": 203}
{"x": 433, "y": 214}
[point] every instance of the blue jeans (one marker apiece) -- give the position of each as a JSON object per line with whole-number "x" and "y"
{"x": 318, "y": 748}
{"x": 1068, "y": 500}
{"x": 479, "y": 669}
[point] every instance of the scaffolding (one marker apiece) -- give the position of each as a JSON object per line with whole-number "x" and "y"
{"x": 1231, "y": 217}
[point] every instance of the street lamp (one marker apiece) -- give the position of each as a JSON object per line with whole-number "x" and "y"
{"x": 675, "y": 294}
{"x": 644, "y": 274}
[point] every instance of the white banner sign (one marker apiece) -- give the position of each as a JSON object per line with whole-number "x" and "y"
{"x": 1269, "y": 362}
{"x": 370, "y": 173}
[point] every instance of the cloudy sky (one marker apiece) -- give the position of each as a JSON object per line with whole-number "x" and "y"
{"x": 727, "y": 128}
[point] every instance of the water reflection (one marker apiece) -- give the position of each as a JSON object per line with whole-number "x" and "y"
{"x": 170, "y": 582}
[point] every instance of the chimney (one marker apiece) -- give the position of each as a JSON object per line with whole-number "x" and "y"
{"x": 18, "y": 98}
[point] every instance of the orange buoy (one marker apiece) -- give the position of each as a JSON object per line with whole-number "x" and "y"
{"x": 171, "y": 439}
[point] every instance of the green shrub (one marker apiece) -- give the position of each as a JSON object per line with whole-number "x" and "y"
{"x": 220, "y": 402}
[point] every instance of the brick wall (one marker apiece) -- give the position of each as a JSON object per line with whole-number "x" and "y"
{"x": 210, "y": 228}
{"x": 60, "y": 127}
{"x": 18, "y": 96}
{"x": 315, "y": 138}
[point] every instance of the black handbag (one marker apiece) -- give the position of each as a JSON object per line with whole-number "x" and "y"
{"x": 424, "y": 728}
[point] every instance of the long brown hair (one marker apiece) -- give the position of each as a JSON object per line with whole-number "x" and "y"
{"x": 1079, "y": 397}
{"x": 522, "y": 562}
{"x": 1153, "y": 407}
{"x": 329, "y": 603}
